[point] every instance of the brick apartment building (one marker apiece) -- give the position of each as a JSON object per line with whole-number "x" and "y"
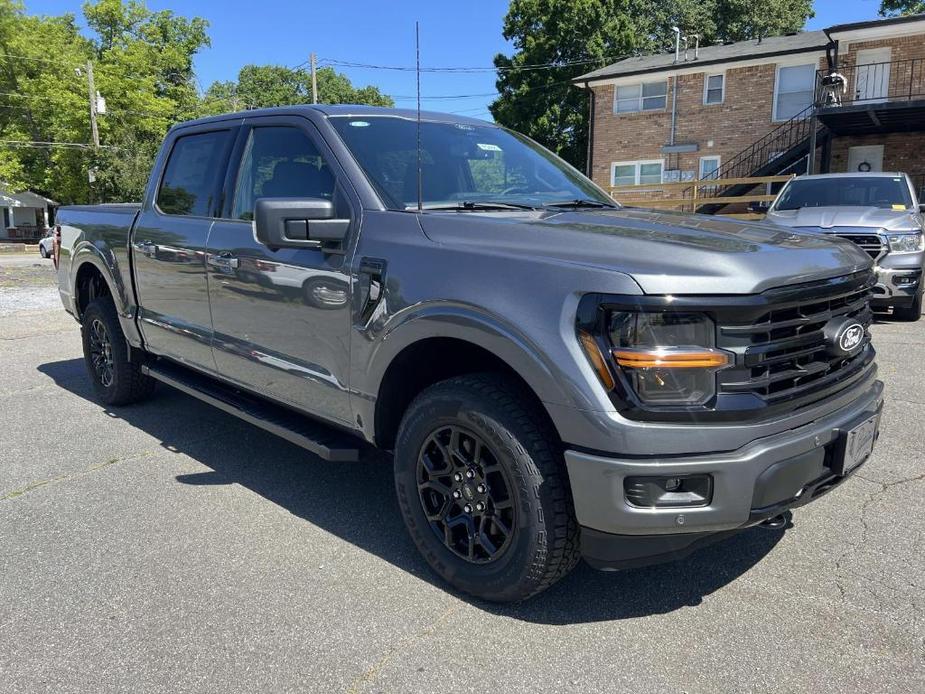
{"x": 758, "y": 108}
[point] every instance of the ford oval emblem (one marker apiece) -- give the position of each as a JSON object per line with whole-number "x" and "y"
{"x": 844, "y": 336}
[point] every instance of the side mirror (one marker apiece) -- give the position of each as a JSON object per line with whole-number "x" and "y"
{"x": 298, "y": 223}
{"x": 922, "y": 207}
{"x": 758, "y": 207}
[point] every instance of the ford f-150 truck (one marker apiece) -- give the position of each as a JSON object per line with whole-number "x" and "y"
{"x": 555, "y": 376}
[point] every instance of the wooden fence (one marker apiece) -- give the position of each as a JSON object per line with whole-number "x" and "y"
{"x": 687, "y": 196}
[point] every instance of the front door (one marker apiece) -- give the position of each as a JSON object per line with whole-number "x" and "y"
{"x": 169, "y": 241}
{"x": 865, "y": 158}
{"x": 281, "y": 317}
{"x": 872, "y": 80}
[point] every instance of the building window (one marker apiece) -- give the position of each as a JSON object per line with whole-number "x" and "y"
{"x": 629, "y": 173}
{"x": 6, "y": 218}
{"x": 709, "y": 167}
{"x": 649, "y": 96}
{"x": 793, "y": 92}
{"x": 714, "y": 87}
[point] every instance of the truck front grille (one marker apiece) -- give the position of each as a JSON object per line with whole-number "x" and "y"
{"x": 871, "y": 244}
{"x": 783, "y": 353}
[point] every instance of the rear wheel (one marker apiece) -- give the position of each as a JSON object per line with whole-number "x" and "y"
{"x": 42, "y": 251}
{"x": 912, "y": 312}
{"x": 116, "y": 380}
{"x": 483, "y": 489}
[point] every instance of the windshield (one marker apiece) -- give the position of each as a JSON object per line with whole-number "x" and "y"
{"x": 459, "y": 163}
{"x": 888, "y": 192}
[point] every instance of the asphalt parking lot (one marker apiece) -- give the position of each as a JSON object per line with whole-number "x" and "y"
{"x": 167, "y": 547}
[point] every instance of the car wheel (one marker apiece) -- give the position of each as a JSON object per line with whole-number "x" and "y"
{"x": 912, "y": 312}
{"x": 483, "y": 488}
{"x": 42, "y": 251}
{"x": 116, "y": 380}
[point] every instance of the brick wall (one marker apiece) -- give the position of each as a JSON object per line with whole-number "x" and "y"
{"x": 901, "y": 151}
{"x": 718, "y": 129}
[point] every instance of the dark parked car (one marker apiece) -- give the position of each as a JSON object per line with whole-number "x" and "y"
{"x": 556, "y": 376}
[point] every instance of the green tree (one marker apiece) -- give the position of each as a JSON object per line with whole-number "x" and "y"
{"x": 894, "y": 8}
{"x": 142, "y": 63}
{"x": 577, "y": 36}
{"x": 259, "y": 86}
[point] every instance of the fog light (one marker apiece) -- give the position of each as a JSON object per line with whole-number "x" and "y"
{"x": 905, "y": 280}
{"x": 668, "y": 492}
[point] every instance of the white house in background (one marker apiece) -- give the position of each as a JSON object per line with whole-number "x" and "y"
{"x": 26, "y": 215}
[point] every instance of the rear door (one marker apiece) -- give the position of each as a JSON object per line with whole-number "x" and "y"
{"x": 282, "y": 317}
{"x": 169, "y": 240}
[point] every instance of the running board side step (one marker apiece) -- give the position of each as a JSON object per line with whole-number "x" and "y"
{"x": 324, "y": 441}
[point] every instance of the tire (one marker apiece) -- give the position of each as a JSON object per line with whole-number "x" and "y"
{"x": 42, "y": 251}
{"x": 520, "y": 464}
{"x": 116, "y": 380}
{"x": 910, "y": 313}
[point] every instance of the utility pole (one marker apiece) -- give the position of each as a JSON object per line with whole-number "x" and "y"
{"x": 92, "y": 89}
{"x": 314, "y": 80}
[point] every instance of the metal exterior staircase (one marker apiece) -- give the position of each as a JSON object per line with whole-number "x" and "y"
{"x": 774, "y": 153}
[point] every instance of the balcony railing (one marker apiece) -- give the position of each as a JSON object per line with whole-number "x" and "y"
{"x": 872, "y": 83}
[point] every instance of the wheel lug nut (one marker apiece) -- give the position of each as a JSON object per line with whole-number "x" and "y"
{"x": 470, "y": 474}
{"x": 480, "y": 506}
{"x": 467, "y": 508}
{"x": 482, "y": 488}
{"x": 456, "y": 494}
{"x": 458, "y": 477}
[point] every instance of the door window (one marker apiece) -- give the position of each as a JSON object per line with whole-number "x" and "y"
{"x": 192, "y": 174}
{"x": 280, "y": 162}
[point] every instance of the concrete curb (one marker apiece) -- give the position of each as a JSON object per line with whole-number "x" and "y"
{"x": 19, "y": 248}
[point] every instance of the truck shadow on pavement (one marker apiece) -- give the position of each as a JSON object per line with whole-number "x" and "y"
{"x": 356, "y": 502}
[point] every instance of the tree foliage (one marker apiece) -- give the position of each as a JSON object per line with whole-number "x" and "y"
{"x": 577, "y": 36}
{"x": 895, "y": 8}
{"x": 259, "y": 86}
{"x": 143, "y": 67}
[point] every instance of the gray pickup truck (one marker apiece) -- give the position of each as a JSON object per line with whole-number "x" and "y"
{"x": 555, "y": 376}
{"x": 877, "y": 211}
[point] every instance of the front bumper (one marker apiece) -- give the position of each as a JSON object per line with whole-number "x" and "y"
{"x": 751, "y": 484}
{"x": 899, "y": 279}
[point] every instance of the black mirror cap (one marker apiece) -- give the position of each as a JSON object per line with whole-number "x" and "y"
{"x": 761, "y": 207}
{"x": 297, "y": 223}
{"x": 922, "y": 207}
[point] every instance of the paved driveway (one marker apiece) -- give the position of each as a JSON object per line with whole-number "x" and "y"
{"x": 167, "y": 547}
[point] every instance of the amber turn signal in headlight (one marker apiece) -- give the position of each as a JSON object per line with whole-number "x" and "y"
{"x": 671, "y": 358}
{"x": 593, "y": 352}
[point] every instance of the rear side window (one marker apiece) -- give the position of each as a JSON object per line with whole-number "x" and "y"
{"x": 192, "y": 174}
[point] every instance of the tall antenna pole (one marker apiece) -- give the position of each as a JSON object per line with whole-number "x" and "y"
{"x": 417, "y": 48}
{"x": 314, "y": 80}
{"x": 91, "y": 88}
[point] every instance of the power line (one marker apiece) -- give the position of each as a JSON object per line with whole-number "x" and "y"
{"x": 38, "y": 144}
{"x": 405, "y": 68}
{"x": 39, "y": 60}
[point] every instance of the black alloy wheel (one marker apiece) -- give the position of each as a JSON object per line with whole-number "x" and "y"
{"x": 466, "y": 494}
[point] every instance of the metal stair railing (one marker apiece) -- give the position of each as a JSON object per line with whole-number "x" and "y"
{"x": 760, "y": 153}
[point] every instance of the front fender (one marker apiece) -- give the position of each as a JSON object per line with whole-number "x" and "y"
{"x": 551, "y": 371}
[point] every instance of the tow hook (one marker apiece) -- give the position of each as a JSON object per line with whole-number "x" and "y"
{"x": 777, "y": 522}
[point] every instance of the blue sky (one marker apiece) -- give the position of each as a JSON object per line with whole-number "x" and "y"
{"x": 466, "y": 34}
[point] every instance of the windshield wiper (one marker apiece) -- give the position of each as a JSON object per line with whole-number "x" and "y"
{"x": 580, "y": 202}
{"x": 476, "y": 206}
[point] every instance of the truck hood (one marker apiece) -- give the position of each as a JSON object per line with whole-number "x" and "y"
{"x": 664, "y": 252}
{"x": 824, "y": 218}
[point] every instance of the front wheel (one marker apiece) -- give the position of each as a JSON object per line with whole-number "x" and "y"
{"x": 42, "y": 251}
{"x": 116, "y": 380}
{"x": 483, "y": 489}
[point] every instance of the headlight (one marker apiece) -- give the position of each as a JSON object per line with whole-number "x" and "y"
{"x": 665, "y": 358}
{"x": 907, "y": 243}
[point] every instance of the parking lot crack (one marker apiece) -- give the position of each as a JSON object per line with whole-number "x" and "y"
{"x": 401, "y": 646}
{"x": 39, "y": 484}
